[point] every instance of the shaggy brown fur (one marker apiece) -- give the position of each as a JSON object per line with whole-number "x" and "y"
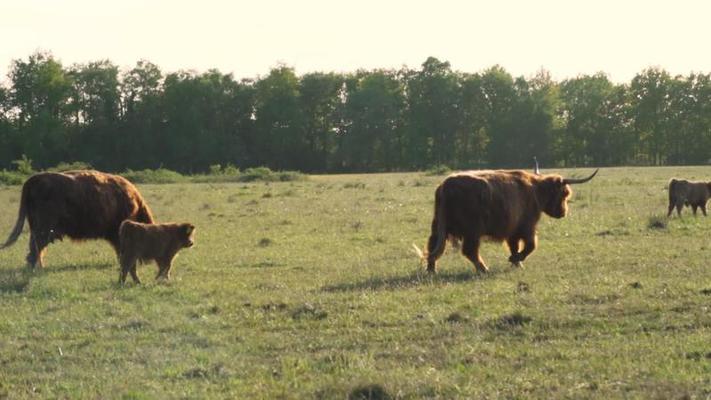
{"x": 78, "y": 204}
{"x": 147, "y": 242}
{"x": 689, "y": 193}
{"x": 500, "y": 205}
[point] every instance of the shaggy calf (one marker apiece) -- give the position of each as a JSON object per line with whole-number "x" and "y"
{"x": 689, "y": 193}
{"x": 146, "y": 242}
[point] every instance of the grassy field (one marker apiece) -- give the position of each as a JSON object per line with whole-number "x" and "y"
{"x": 310, "y": 290}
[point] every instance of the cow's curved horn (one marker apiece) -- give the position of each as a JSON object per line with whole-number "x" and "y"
{"x": 582, "y": 180}
{"x": 536, "y": 170}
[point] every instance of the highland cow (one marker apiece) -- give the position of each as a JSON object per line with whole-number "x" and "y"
{"x": 80, "y": 205}
{"x": 689, "y": 193}
{"x": 156, "y": 242}
{"x": 499, "y": 205}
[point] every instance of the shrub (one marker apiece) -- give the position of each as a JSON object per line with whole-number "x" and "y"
{"x": 11, "y": 178}
{"x": 257, "y": 174}
{"x": 62, "y": 166}
{"x": 24, "y": 165}
{"x": 160, "y": 175}
{"x": 439, "y": 169}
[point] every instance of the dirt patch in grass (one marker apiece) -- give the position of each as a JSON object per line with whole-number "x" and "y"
{"x": 369, "y": 392}
{"x": 509, "y": 321}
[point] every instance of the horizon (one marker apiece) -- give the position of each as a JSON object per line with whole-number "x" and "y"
{"x": 248, "y": 40}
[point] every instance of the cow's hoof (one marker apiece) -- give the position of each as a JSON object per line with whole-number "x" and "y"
{"x": 517, "y": 264}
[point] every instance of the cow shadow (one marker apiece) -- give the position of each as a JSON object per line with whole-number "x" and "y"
{"x": 415, "y": 278}
{"x": 14, "y": 280}
{"x": 78, "y": 267}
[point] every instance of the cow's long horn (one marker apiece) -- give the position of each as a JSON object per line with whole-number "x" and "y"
{"x": 582, "y": 180}
{"x": 536, "y": 170}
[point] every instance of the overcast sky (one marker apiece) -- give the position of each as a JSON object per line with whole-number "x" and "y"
{"x": 248, "y": 38}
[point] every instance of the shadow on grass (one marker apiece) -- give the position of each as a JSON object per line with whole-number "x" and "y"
{"x": 79, "y": 267}
{"x": 14, "y": 280}
{"x": 412, "y": 279}
{"x": 18, "y": 279}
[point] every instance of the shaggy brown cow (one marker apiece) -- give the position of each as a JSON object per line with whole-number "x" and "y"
{"x": 689, "y": 193}
{"x": 78, "y": 204}
{"x": 500, "y": 205}
{"x": 146, "y": 242}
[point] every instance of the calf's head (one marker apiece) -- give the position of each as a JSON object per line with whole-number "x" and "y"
{"x": 186, "y": 235}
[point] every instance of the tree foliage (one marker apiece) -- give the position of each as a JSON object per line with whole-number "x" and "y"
{"x": 377, "y": 120}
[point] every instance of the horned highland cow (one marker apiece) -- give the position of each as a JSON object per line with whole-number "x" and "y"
{"x": 152, "y": 242}
{"x": 499, "y": 205}
{"x": 82, "y": 204}
{"x": 689, "y": 193}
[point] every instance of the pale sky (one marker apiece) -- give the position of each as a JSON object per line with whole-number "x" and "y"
{"x": 248, "y": 38}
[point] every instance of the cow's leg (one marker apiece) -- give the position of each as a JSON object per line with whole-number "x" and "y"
{"x": 470, "y": 249}
{"x": 703, "y": 209}
{"x": 693, "y": 208}
{"x": 679, "y": 206}
{"x": 514, "y": 244}
{"x": 671, "y": 208}
{"x": 435, "y": 247}
{"x": 529, "y": 244}
{"x": 38, "y": 247}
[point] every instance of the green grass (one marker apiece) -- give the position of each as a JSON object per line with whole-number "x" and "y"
{"x": 309, "y": 289}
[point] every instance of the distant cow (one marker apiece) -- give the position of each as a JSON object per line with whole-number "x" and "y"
{"x": 689, "y": 193}
{"x": 500, "y": 205}
{"x": 152, "y": 242}
{"x": 78, "y": 204}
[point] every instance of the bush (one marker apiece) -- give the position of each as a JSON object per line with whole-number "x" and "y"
{"x": 257, "y": 174}
{"x": 11, "y": 178}
{"x": 72, "y": 166}
{"x": 24, "y": 165}
{"x": 160, "y": 175}
{"x": 216, "y": 174}
{"x": 440, "y": 169}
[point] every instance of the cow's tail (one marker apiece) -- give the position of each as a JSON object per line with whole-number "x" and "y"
{"x": 439, "y": 229}
{"x": 21, "y": 215}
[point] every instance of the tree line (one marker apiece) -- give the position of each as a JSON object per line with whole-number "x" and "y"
{"x": 367, "y": 121}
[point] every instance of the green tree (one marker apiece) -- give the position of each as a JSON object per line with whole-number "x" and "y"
{"x": 471, "y": 138}
{"x": 650, "y": 93}
{"x": 280, "y": 140}
{"x": 320, "y": 98}
{"x": 40, "y": 89}
{"x": 500, "y": 95}
{"x": 94, "y": 106}
{"x": 596, "y": 119}
{"x": 373, "y": 136}
{"x": 141, "y": 116}
{"x": 432, "y": 95}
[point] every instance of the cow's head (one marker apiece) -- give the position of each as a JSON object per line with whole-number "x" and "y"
{"x": 553, "y": 192}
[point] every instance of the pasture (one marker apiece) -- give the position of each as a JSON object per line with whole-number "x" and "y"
{"x": 310, "y": 289}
